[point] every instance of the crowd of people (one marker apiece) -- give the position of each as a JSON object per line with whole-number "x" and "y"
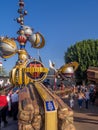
{"x": 80, "y": 93}
{"x": 83, "y": 93}
{"x": 8, "y": 105}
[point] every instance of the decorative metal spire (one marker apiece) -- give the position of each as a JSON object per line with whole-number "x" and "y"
{"x": 8, "y": 46}
{"x": 22, "y": 12}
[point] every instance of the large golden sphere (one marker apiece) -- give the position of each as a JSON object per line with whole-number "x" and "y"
{"x": 7, "y": 47}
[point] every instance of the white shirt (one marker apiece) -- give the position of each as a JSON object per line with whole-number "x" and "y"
{"x": 9, "y": 103}
{"x": 71, "y": 103}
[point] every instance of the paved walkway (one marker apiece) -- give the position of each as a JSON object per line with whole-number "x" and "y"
{"x": 84, "y": 119}
{"x": 12, "y": 125}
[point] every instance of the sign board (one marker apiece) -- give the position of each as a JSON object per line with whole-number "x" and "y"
{"x": 50, "y": 106}
{"x": 36, "y": 70}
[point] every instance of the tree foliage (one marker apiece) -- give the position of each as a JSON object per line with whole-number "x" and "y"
{"x": 85, "y": 53}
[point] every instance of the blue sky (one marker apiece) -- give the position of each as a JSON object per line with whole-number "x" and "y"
{"x": 62, "y": 23}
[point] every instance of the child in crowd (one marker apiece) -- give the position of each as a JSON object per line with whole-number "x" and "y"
{"x": 71, "y": 102}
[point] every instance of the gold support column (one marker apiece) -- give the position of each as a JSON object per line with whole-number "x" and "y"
{"x": 50, "y": 108}
{"x": 50, "y": 119}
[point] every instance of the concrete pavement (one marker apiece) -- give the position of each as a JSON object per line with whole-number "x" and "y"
{"x": 85, "y": 119}
{"x": 12, "y": 125}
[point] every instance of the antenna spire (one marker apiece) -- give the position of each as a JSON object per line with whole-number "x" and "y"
{"x": 22, "y": 12}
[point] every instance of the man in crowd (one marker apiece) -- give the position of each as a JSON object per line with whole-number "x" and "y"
{"x": 4, "y": 101}
{"x": 14, "y": 104}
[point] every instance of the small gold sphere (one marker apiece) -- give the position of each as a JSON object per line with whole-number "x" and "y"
{"x": 21, "y": 32}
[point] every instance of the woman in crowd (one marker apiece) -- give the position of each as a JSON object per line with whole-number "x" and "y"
{"x": 80, "y": 99}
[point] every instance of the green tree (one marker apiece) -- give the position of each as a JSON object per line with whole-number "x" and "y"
{"x": 86, "y": 54}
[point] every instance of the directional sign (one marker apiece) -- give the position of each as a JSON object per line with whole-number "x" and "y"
{"x": 50, "y": 106}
